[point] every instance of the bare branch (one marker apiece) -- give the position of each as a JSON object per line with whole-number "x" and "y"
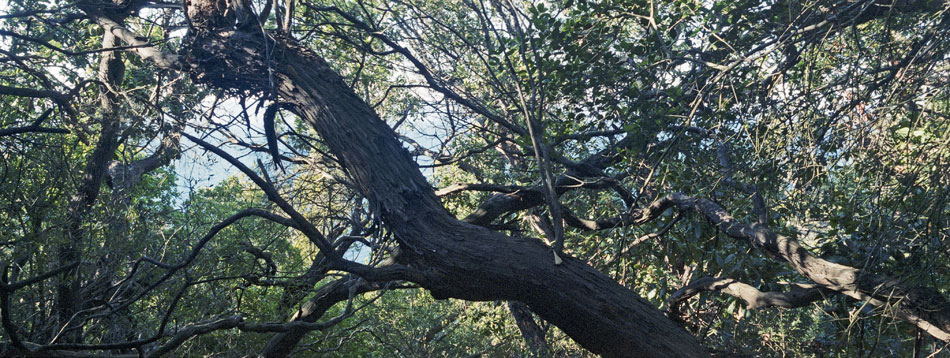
{"x": 799, "y": 296}
{"x": 142, "y": 48}
{"x": 455, "y": 188}
{"x": 301, "y": 222}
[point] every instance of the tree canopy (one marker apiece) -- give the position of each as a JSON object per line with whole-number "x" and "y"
{"x": 420, "y": 178}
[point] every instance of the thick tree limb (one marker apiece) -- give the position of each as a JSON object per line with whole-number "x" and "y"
{"x": 462, "y": 260}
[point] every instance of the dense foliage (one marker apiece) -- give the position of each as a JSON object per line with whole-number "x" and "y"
{"x": 827, "y": 122}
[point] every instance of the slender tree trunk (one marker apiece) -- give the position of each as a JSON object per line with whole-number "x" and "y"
{"x": 111, "y": 72}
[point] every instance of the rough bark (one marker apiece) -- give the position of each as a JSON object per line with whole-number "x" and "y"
{"x": 456, "y": 259}
{"x": 460, "y": 260}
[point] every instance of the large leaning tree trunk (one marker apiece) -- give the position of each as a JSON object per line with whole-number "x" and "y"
{"x": 451, "y": 258}
{"x": 458, "y": 259}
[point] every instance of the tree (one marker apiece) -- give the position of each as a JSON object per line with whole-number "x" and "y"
{"x": 570, "y": 106}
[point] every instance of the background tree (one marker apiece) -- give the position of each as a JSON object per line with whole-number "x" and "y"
{"x": 718, "y": 160}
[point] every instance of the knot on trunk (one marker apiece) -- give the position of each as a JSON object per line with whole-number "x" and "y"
{"x": 233, "y": 60}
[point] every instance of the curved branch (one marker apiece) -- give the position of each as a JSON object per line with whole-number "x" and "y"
{"x": 301, "y": 222}
{"x": 327, "y": 296}
{"x": 455, "y": 188}
{"x": 593, "y": 165}
{"x": 174, "y": 268}
{"x": 921, "y": 306}
{"x": 193, "y": 330}
{"x": 799, "y": 296}
{"x": 127, "y": 175}
{"x": 137, "y": 44}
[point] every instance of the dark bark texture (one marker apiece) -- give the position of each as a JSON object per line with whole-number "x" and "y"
{"x": 455, "y": 259}
{"x": 463, "y": 259}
